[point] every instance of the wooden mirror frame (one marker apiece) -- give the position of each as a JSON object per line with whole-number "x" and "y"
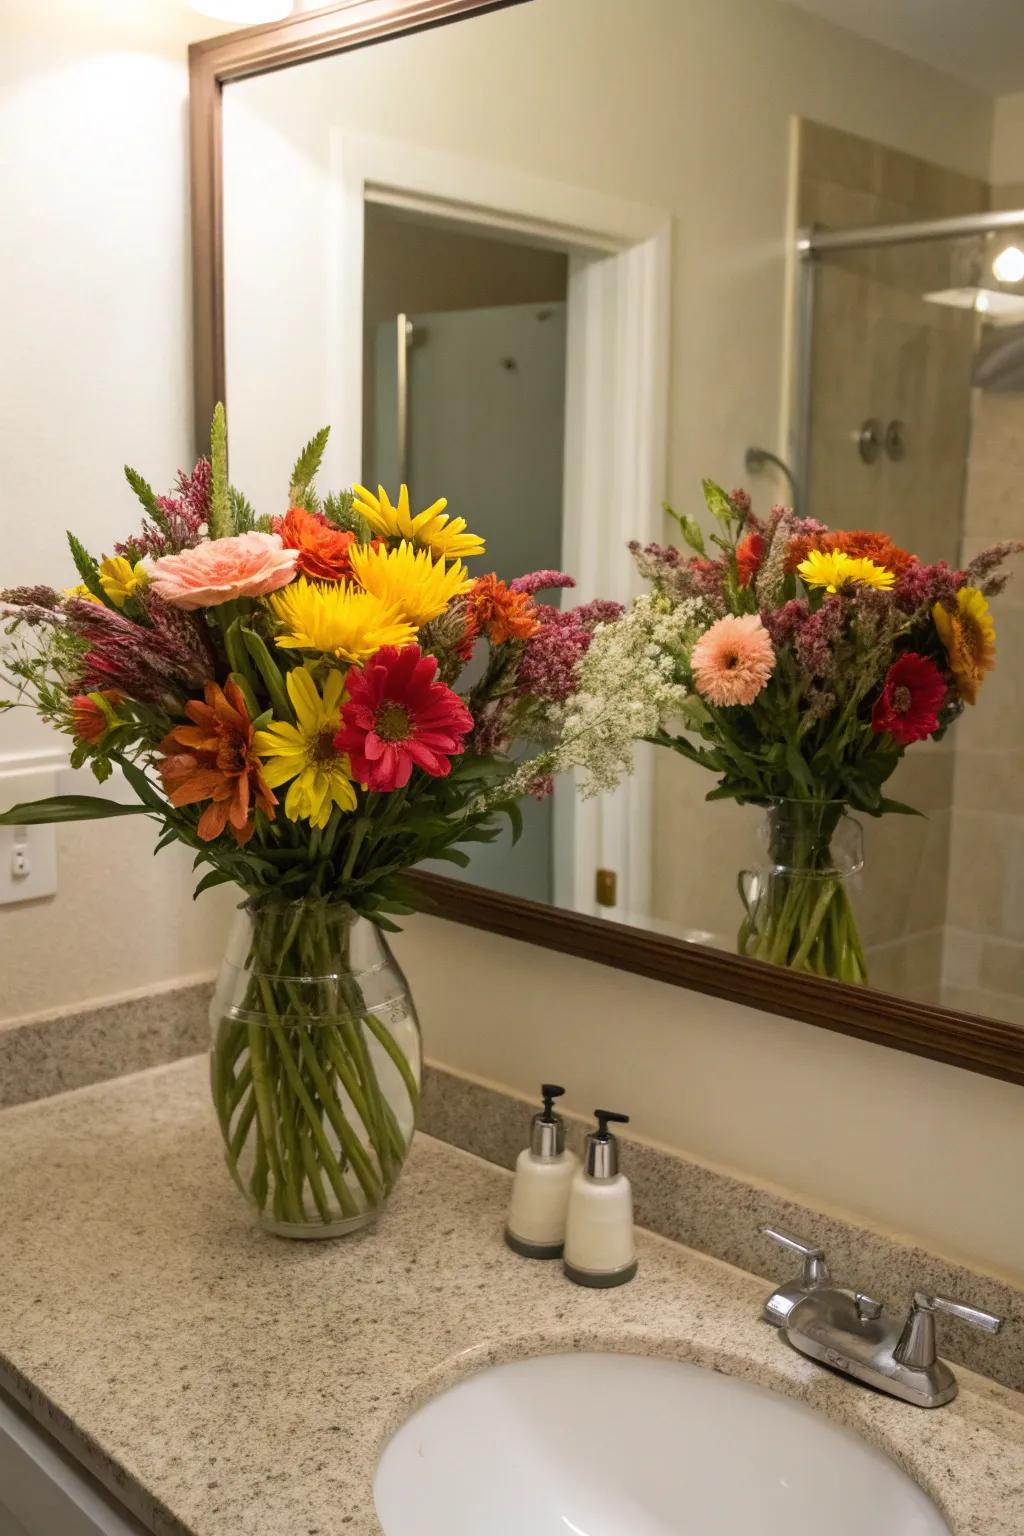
{"x": 978, "y": 1044}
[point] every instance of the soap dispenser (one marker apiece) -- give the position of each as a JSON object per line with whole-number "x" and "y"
{"x": 540, "y": 1194}
{"x": 600, "y": 1249}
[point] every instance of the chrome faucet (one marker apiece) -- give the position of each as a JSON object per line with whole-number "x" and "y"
{"x": 852, "y": 1332}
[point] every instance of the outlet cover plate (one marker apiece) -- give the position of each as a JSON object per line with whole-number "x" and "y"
{"x": 37, "y": 844}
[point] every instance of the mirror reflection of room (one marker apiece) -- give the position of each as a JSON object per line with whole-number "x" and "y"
{"x": 878, "y": 390}
{"x": 874, "y": 384}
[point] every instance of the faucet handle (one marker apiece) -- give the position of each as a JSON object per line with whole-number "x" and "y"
{"x": 916, "y": 1345}
{"x": 816, "y": 1271}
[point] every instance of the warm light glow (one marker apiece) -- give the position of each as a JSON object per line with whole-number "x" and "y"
{"x": 1008, "y": 266}
{"x": 996, "y": 305}
{"x": 248, "y": 13}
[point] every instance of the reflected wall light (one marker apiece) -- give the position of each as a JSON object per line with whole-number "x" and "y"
{"x": 1008, "y": 266}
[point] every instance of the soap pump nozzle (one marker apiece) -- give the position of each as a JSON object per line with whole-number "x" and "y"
{"x": 602, "y": 1161}
{"x": 547, "y": 1133}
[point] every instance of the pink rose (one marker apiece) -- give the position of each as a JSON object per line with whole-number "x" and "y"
{"x": 248, "y": 565}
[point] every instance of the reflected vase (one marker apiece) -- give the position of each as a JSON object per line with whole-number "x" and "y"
{"x": 799, "y": 900}
{"x": 315, "y": 1066}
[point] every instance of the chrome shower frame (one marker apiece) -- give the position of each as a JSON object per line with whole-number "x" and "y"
{"x": 811, "y": 245}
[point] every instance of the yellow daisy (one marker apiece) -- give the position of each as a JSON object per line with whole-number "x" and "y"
{"x": 337, "y": 619}
{"x": 305, "y": 752}
{"x": 444, "y": 536}
{"x": 833, "y": 570}
{"x": 969, "y": 636}
{"x": 408, "y": 578}
{"x": 120, "y": 579}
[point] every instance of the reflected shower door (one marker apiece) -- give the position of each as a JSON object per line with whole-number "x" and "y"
{"x": 481, "y": 421}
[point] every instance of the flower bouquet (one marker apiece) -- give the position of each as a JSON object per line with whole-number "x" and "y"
{"x": 281, "y": 694}
{"x": 812, "y": 660}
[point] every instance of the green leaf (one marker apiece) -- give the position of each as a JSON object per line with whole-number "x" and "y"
{"x": 692, "y": 533}
{"x": 306, "y": 465}
{"x": 143, "y": 788}
{"x": 221, "y": 523}
{"x": 144, "y": 491}
{"x": 453, "y": 856}
{"x": 510, "y": 808}
{"x": 87, "y": 569}
{"x": 41, "y": 813}
{"x": 718, "y": 503}
{"x": 270, "y": 673}
{"x": 243, "y": 513}
{"x": 214, "y": 877}
{"x": 897, "y": 808}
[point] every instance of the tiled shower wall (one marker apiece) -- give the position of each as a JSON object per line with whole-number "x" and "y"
{"x": 880, "y": 351}
{"x": 983, "y": 969}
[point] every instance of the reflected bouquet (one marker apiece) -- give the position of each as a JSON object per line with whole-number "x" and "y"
{"x": 282, "y": 695}
{"x": 812, "y": 659}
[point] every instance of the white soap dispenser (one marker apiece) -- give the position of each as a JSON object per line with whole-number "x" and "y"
{"x": 540, "y": 1194}
{"x": 600, "y": 1248}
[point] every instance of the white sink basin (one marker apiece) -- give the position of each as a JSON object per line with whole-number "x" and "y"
{"x": 626, "y": 1445}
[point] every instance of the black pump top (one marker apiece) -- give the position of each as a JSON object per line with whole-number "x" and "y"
{"x": 606, "y": 1117}
{"x": 549, "y": 1092}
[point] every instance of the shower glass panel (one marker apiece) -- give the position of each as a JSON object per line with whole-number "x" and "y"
{"x": 484, "y": 414}
{"x": 916, "y": 427}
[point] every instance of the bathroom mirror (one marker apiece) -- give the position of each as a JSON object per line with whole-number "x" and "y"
{"x": 560, "y": 261}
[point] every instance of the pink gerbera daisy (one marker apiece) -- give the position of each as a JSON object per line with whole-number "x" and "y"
{"x": 396, "y": 717}
{"x": 733, "y": 660}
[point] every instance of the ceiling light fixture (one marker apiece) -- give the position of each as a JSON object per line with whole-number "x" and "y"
{"x": 245, "y": 13}
{"x": 1008, "y": 266}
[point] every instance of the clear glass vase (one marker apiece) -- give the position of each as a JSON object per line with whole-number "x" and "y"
{"x": 315, "y": 1066}
{"x": 799, "y": 906}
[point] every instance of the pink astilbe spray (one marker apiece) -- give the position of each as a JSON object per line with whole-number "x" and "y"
{"x": 541, "y": 581}
{"x": 549, "y": 665}
{"x": 187, "y": 517}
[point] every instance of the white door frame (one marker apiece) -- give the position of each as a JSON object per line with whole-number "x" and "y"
{"x": 616, "y": 409}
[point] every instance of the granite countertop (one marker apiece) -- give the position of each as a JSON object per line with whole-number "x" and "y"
{"x": 221, "y": 1382}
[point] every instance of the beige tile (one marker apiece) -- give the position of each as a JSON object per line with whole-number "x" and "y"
{"x": 1002, "y": 966}
{"x": 987, "y": 779}
{"x": 989, "y": 1005}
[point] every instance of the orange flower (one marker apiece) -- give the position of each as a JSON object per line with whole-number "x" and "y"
{"x": 218, "y": 764}
{"x": 90, "y": 720}
{"x": 749, "y": 554}
{"x": 323, "y": 549}
{"x": 499, "y": 612}
{"x": 858, "y": 543}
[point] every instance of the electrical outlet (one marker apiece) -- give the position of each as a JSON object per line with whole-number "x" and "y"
{"x": 28, "y": 855}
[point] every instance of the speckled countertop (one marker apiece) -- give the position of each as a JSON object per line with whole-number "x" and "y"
{"x": 224, "y": 1383}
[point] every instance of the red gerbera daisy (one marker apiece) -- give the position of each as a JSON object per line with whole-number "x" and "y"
{"x": 396, "y": 717}
{"x": 911, "y": 697}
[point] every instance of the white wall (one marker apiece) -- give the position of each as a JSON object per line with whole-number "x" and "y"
{"x": 94, "y": 309}
{"x": 95, "y": 258}
{"x": 907, "y": 1145}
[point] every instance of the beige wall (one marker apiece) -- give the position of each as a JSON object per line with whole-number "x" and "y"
{"x": 911, "y": 1146}
{"x": 692, "y": 117}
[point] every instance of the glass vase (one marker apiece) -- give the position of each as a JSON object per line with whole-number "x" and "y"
{"x": 315, "y": 1066}
{"x": 799, "y": 907}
